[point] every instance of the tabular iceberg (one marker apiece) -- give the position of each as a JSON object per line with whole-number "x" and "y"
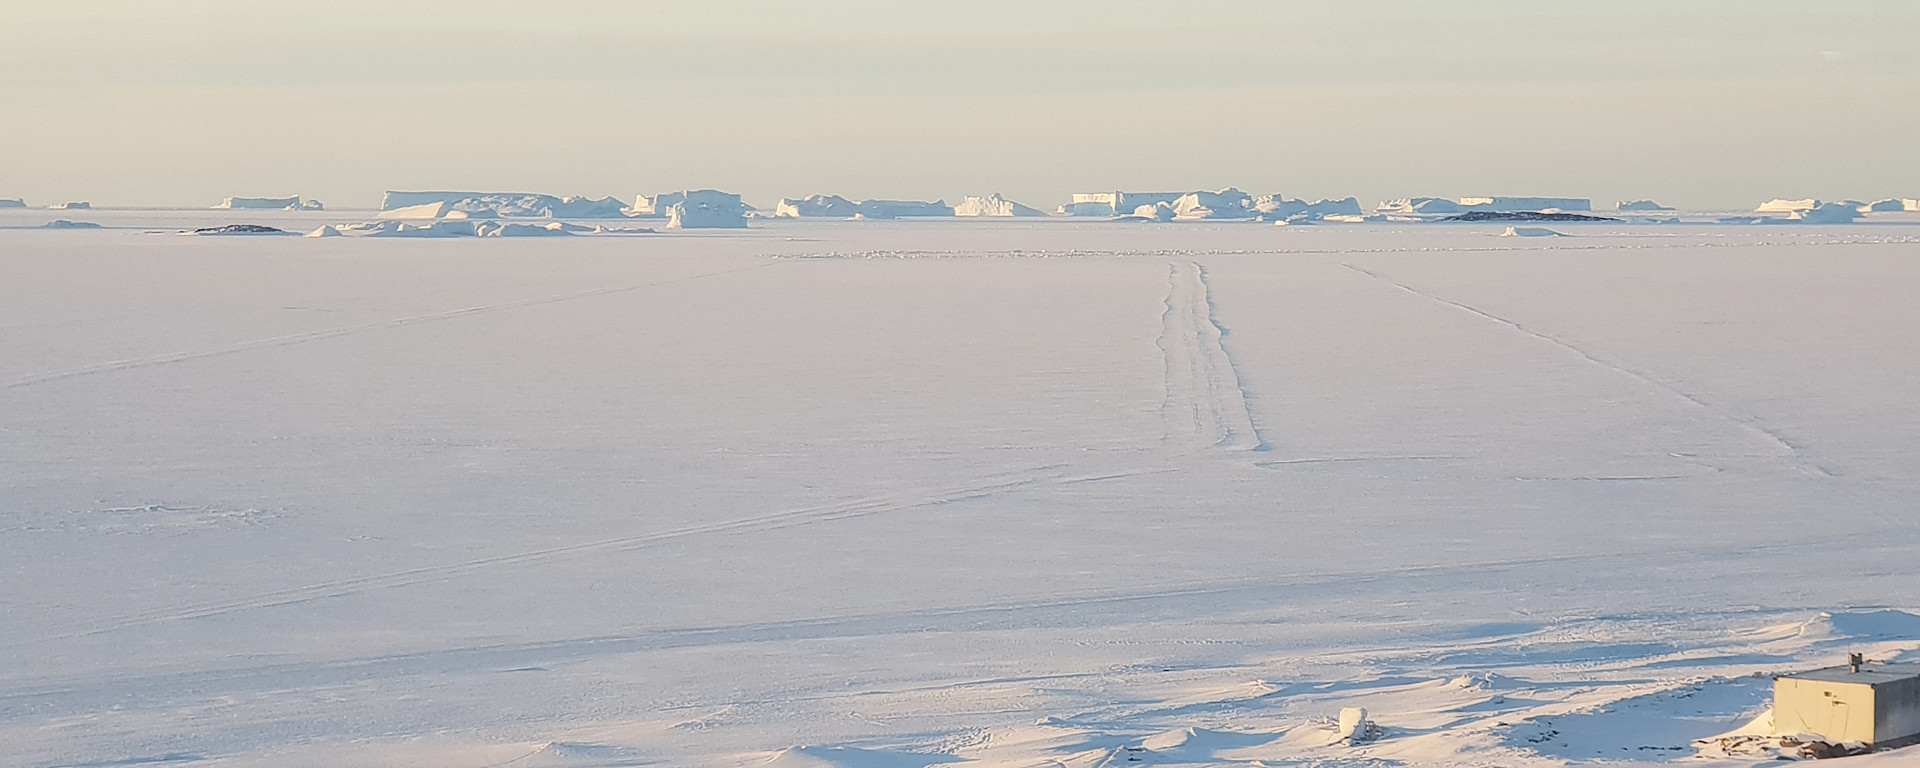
{"x": 1113, "y": 203}
{"x": 270, "y": 204}
{"x": 508, "y": 204}
{"x": 994, "y": 206}
{"x": 827, "y": 206}
{"x": 707, "y": 209}
{"x": 1227, "y": 203}
{"x": 901, "y": 209}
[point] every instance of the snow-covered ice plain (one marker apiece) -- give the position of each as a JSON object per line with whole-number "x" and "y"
{"x": 893, "y": 495}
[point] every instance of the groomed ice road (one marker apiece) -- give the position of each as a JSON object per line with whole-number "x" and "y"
{"x": 895, "y": 495}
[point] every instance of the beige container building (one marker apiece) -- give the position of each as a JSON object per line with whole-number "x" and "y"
{"x": 1874, "y": 704}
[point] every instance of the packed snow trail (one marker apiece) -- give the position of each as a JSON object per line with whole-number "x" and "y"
{"x": 1205, "y": 406}
{"x": 1776, "y": 442}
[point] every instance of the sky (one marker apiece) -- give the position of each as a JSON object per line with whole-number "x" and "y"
{"x": 1704, "y": 103}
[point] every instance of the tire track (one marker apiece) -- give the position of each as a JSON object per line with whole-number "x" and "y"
{"x": 1783, "y": 447}
{"x": 1205, "y": 405}
{"x": 330, "y": 333}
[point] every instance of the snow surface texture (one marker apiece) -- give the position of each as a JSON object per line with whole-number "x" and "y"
{"x": 880, "y": 495}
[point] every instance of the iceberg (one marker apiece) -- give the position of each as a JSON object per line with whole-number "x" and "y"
{"x": 1829, "y": 213}
{"x": 270, "y": 204}
{"x": 1511, "y": 204}
{"x": 1419, "y": 205}
{"x": 1113, "y": 203}
{"x": 421, "y": 211}
{"x": 1885, "y": 206}
{"x": 65, "y": 224}
{"x": 1227, "y": 203}
{"x": 1782, "y": 205}
{"x": 993, "y": 206}
{"x": 655, "y": 206}
{"x": 453, "y": 228}
{"x": 12, "y": 202}
{"x": 707, "y": 209}
{"x": 1641, "y": 205}
{"x": 1277, "y": 208}
{"x": 73, "y": 206}
{"x": 900, "y": 209}
{"x": 828, "y": 206}
{"x": 508, "y": 204}
{"x": 1493, "y": 204}
{"x": 1152, "y": 212}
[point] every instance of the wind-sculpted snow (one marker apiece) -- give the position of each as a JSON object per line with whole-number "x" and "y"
{"x": 875, "y": 494}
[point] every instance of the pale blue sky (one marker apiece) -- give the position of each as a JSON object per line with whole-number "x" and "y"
{"x": 1708, "y": 103}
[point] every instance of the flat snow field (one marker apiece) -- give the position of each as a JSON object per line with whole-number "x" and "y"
{"x": 893, "y": 495}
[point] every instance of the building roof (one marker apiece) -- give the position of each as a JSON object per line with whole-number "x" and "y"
{"x": 1869, "y": 674}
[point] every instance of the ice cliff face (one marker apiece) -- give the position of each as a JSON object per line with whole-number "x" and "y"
{"x": 825, "y": 206}
{"x": 707, "y": 209}
{"x": 508, "y": 205}
{"x": 270, "y": 204}
{"x": 995, "y": 206}
{"x": 1227, "y": 203}
{"x": 900, "y": 209}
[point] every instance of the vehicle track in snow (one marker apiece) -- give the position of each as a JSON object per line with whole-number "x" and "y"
{"x": 1779, "y": 444}
{"x": 1205, "y": 405}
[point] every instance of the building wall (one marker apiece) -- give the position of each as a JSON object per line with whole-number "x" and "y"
{"x": 1836, "y": 711}
{"x": 1896, "y": 710}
